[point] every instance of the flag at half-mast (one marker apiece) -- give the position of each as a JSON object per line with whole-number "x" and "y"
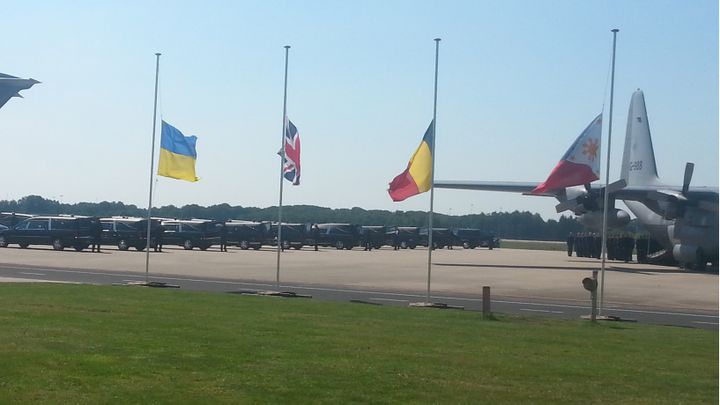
{"x": 580, "y": 164}
{"x": 417, "y": 177}
{"x": 177, "y": 154}
{"x": 291, "y": 157}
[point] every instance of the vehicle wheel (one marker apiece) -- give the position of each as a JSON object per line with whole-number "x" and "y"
{"x": 256, "y": 247}
{"x": 58, "y": 244}
{"x": 123, "y": 245}
{"x": 204, "y": 247}
{"x": 403, "y": 245}
{"x": 79, "y": 248}
{"x": 339, "y": 245}
{"x": 23, "y": 245}
{"x": 466, "y": 245}
{"x": 412, "y": 246}
{"x": 244, "y": 245}
{"x": 349, "y": 247}
{"x": 285, "y": 244}
{"x": 298, "y": 247}
{"x": 490, "y": 246}
{"x": 3, "y": 242}
{"x": 140, "y": 248}
{"x": 378, "y": 246}
{"x": 188, "y": 245}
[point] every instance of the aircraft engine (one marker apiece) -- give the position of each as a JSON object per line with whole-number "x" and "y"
{"x": 617, "y": 218}
{"x": 689, "y": 254}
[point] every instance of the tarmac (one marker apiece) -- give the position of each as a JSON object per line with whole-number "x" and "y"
{"x": 512, "y": 273}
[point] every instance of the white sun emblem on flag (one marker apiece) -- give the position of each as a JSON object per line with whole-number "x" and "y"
{"x": 590, "y": 149}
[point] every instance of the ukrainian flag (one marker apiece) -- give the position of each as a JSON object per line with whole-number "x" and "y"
{"x": 177, "y": 154}
{"x": 417, "y": 178}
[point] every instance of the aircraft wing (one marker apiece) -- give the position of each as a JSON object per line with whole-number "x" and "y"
{"x": 505, "y": 186}
{"x": 706, "y": 197}
{"x": 10, "y": 86}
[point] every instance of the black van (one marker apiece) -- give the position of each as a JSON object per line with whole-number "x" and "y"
{"x": 190, "y": 233}
{"x": 246, "y": 234}
{"x": 293, "y": 235}
{"x": 57, "y": 231}
{"x": 340, "y": 236}
{"x": 126, "y": 232}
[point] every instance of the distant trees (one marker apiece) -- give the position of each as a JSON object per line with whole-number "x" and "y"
{"x": 511, "y": 225}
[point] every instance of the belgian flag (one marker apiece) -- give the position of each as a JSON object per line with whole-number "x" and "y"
{"x": 417, "y": 178}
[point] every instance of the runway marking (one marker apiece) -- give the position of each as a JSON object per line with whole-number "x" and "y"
{"x": 387, "y": 299}
{"x": 706, "y": 323}
{"x": 638, "y": 311}
{"x": 541, "y": 310}
{"x": 32, "y": 274}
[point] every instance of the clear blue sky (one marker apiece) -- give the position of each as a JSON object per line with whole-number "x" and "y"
{"x": 518, "y": 82}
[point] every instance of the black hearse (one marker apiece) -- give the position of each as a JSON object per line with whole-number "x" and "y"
{"x": 340, "y": 236}
{"x": 470, "y": 238}
{"x": 442, "y": 237}
{"x": 126, "y": 232}
{"x": 57, "y": 231}
{"x": 403, "y": 236}
{"x": 10, "y": 219}
{"x": 191, "y": 233}
{"x": 246, "y": 234}
{"x": 373, "y": 234}
{"x": 293, "y": 235}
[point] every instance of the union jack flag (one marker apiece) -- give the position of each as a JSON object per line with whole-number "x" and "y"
{"x": 291, "y": 158}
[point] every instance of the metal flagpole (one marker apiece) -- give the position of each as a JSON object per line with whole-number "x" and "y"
{"x": 607, "y": 178}
{"x": 432, "y": 173}
{"x": 282, "y": 161}
{"x": 152, "y": 169}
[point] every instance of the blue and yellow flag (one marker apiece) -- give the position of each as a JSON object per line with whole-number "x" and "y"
{"x": 177, "y": 154}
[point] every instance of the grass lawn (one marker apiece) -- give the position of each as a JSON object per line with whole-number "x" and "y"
{"x": 93, "y": 344}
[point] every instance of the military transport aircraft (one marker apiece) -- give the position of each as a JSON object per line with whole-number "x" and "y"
{"x": 10, "y": 86}
{"x": 683, "y": 219}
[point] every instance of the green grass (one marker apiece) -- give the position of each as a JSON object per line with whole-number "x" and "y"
{"x": 91, "y": 344}
{"x": 532, "y": 245}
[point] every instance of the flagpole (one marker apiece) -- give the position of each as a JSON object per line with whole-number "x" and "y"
{"x": 282, "y": 162}
{"x": 606, "y": 198}
{"x": 152, "y": 169}
{"x": 432, "y": 173}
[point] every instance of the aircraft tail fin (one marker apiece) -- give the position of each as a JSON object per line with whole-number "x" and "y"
{"x": 638, "y": 164}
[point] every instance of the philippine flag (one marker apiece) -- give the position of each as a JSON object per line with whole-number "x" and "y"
{"x": 580, "y": 164}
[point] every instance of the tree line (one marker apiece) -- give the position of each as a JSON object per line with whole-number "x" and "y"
{"x": 509, "y": 225}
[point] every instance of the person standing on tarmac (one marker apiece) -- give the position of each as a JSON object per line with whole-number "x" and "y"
{"x": 96, "y": 231}
{"x": 316, "y": 235}
{"x": 223, "y": 238}
{"x": 570, "y": 243}
{"x": 396, "y": 239}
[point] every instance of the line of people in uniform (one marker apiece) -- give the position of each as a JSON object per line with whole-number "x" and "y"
{"x": 620, "y": 245}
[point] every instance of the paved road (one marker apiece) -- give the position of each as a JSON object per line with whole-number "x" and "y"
{"x": 523, "y": 282}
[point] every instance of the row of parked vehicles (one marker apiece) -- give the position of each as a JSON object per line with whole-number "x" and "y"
{"x": 79, "y": 232}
